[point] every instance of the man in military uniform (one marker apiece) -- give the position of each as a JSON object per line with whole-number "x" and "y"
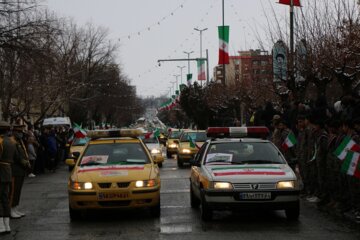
{"x": 7, "y": 154}
{"x": 19, "y": 168}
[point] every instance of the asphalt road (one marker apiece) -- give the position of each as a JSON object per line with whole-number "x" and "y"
{"x": 45, "y": 202}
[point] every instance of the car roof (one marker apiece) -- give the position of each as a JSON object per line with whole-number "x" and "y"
{"x": 191, "y": 130}
{"x": 114, "y": 139}
{"x": 227, "y": 140}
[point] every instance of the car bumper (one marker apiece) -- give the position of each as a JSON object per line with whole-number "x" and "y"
{"x": 158, "y": 158}
{"x": 171, "y": 150}
{"x": 186, "y": 157}
{"x": 141, "y": 198}
{"x": 231, "y": 200}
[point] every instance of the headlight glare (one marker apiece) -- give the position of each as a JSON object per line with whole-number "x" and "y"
{"x": 222, "y": 185}
{"x": 155, "y": 151}
{"x": 146, "y": 183}
{"x": 185, "y": 150}
{"x": 285, "y": 185}
{"x": 88, "y": 185}
{"x": 173, "y": 145}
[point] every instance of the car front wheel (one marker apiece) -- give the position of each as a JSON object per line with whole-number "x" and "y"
{"x": 292, "y": 212}
{"x": 156, "y": 210}
{"x": 205, "y": 210}
{"x": 194, "y": 201}
{"x": 75, "y": 215}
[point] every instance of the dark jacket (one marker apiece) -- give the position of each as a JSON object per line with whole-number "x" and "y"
{"x": 8, "y": 153}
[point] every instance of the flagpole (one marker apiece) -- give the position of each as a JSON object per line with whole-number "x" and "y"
{"x": 223, "y": 29}
{"x": 292, "y": 80}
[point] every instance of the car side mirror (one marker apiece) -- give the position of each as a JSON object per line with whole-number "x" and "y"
{"x": 193, "y": 162}
{"x": 76, "y": 154}
{"x": 70, "y": 162}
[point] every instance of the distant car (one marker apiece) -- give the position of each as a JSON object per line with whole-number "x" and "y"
{"x": 115, "y": 171}
{"x": 171, "y": 146}
{"x": 156, "y": 150}
{"x": 233, "y": 171}
{"x": 77, "y": 147}
{"x": 187, "y": 151}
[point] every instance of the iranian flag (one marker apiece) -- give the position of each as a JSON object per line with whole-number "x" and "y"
{"x": 201, "y": 70}
{"x": 154, "y": 134}
{"x": 289, "y": 142}
{"x": 223, "y": 44}
{"x": 288, "y": 2}
{"x": 79, "y": 132}
{"x": 351, "y": 164}
{"x": 346, "y": 145}
{"x": 188, "y": 79}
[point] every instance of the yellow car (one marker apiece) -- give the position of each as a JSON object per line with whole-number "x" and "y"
{"x": 156, "y": 150}
{"x": 115, "y": 171}
{"x": 171, "y": 146}
{"x": 189, "y": 144}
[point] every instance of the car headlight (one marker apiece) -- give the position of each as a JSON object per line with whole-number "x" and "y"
{"x": 155, "y": 151}
{"x": 285, "y": 185}
{"x": 173, "y": 145}
{"x": 222, "y": 185}
{"x": 185, "y": 150}
{"x": 81, "y": 185}
{"x": 146, "y": 183}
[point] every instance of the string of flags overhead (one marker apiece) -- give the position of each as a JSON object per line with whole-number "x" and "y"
{"x": 155, "y": 24}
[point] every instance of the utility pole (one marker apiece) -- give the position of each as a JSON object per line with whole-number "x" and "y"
{"x": 188, "y": 54}
{"x": 177, "y": 82}
{"x": 200, "y": 31}
{"x": 181, "y": 68}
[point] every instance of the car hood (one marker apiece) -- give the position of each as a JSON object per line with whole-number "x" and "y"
{"x": 250, "y": 173}
{"x": 113, "y": 173}
{"x": 153, "y": 145}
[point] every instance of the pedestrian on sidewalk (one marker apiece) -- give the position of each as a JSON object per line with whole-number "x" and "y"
{"x": 7, "y": 155}
{"x": 20, "y": 167}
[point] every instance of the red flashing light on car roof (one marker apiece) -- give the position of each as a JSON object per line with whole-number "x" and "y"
{"x": 133, "y": 133}
{"x": 238, "y": 132}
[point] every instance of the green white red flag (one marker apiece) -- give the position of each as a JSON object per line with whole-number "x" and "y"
{"x": 351, "y": 164}
{"x": 188, "y": 79}
{"x": 346, "y": 145}
{"x": 79, "y": 132}
{"x": 201, "y": 70}
{"x": 289, "y": 141}
{"x": 153, "y": 134}
{"x": 296, "y": 3}
{"x": 223, "y": 44}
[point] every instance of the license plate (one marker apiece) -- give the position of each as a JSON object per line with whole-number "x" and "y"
{"x": 255, "y": 196}
{"x": 112, "y": 195}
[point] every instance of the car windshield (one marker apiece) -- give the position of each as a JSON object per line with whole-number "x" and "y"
{"x": 243, "y": 153}
{"x": 116, "y": 153}
{"x": 150, "y": 140}
{"x": 197, "y": 136}
{"x": 80, "y": 141}
{"x": 174, "y": 134}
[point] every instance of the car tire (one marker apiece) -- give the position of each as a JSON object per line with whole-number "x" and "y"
{"x": 160, "y": 165}
{"x": 180, "y": 163}
{"x": 168, "y": 155}
{"x": 205, "y": 210}
{"x": 292, "y": 212}
{"x": 194, "y": 201}
{"x": 156, "y": 210}
{"x": 75, "y": 215}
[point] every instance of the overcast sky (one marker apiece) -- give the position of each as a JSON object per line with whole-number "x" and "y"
{"x": 161, "y": 29}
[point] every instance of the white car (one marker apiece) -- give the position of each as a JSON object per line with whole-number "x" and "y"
{"x": 232, "y": 171}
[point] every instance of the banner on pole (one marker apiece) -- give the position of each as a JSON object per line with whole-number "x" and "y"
{"x": 279, "y": 52}
{"x": 201, "y": 70}
{"x": 223, "y": 44}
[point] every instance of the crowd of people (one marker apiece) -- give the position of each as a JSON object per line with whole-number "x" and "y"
{"x": 25, "y": 151}
{"x": 319, "y": 130}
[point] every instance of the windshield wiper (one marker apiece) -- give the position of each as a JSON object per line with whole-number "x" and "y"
{"x": 90, "y": 164}
{"x": 259, "y": 162}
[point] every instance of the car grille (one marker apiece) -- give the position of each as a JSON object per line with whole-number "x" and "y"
{"x": 114, "y": 203}
{"x": 254, "y": 186}
{"x": 104, "y": 185}
{"x": 123, "y": 184}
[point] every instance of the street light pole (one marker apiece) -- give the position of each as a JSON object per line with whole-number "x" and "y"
{"x": 177, "y": 83}
{"x": 181, "y": 68}
{"x": 188, "y": 54}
